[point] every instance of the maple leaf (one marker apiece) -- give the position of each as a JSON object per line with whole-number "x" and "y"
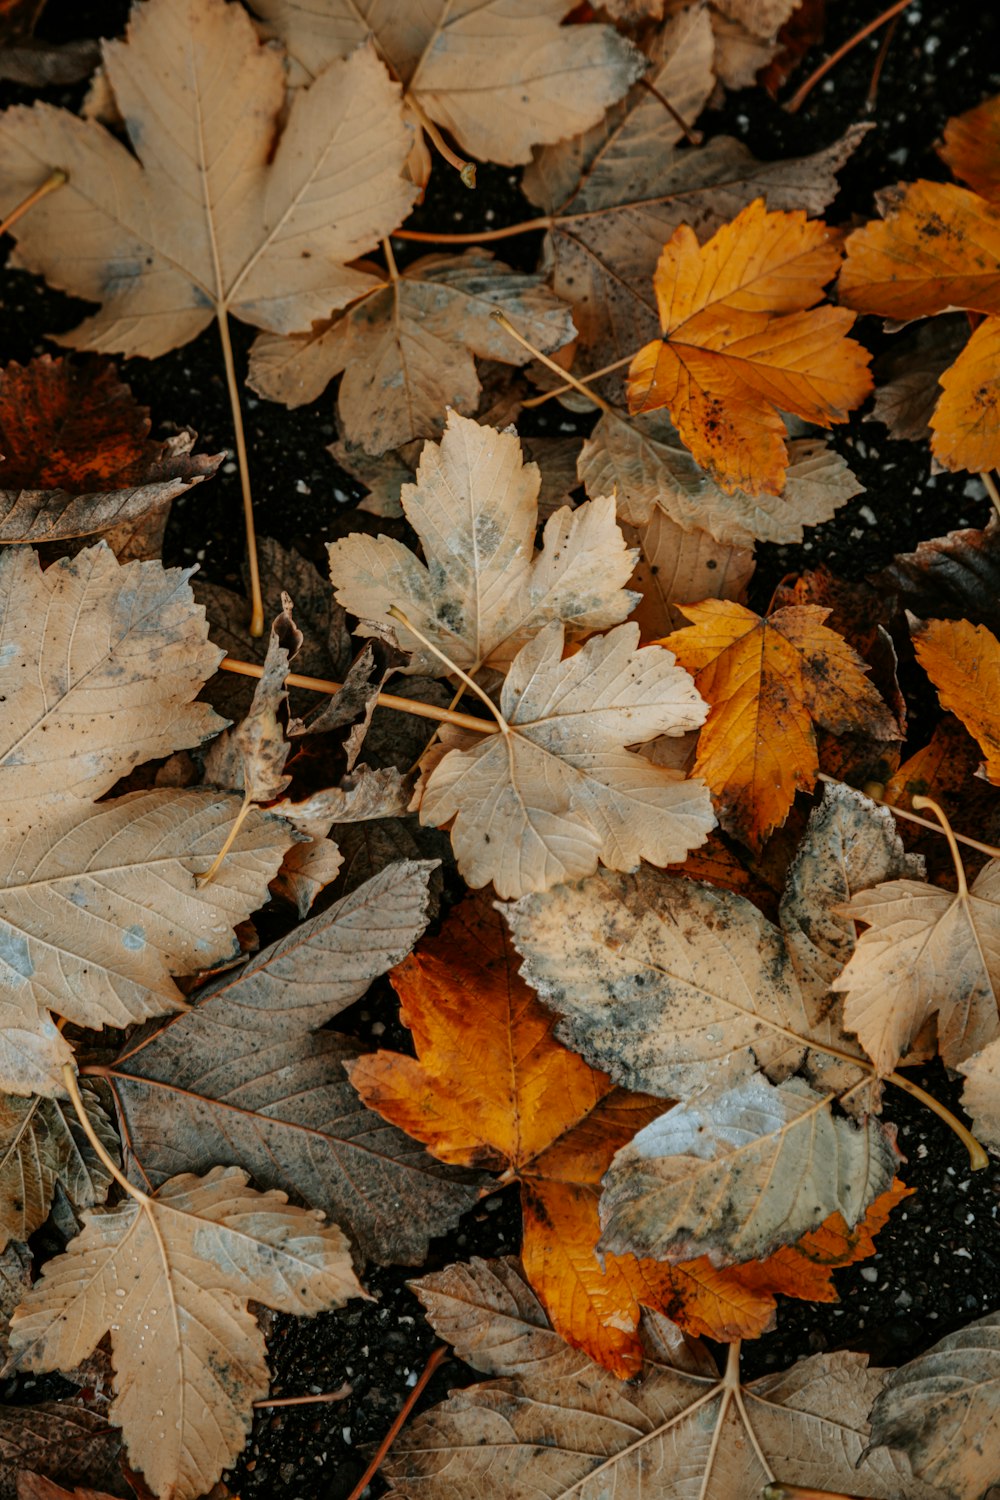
{"x": 499, "y": 76}
{"x": 406, "y": 348}
{"x": 42, "y": 1144}
{"x": 972, "y": 148}
{"x": 676, "y": 567}
{"x": 982, "y": 1091}
{"x": 245, "y": 1077}
{"x": 943, "y": 1411}
{"x": 742, "y": 342}
{"x": 768, "y": 682}
{"x": 218, "y": 215}
{"x": 554, "y": 1420}
{"x": 78, "y": 459}
{"x": 963, "y": 662}
{"x": 169, "y": 1278}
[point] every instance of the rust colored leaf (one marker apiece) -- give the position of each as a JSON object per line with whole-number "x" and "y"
{"x": 72, "y": 1444}
{"x": 770, "y": 681}
{"x": 963, "y": 662}
{"x": 954, "y": 577}
{"x": 972, "y": 148}
{"x": 742, "y": 342}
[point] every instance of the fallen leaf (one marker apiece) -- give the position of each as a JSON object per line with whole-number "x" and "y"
{"x": 554, "y": 1419}
{"x": 72, "y": 1444}
{"x": 963, "y": 662}
{"x": 643, "y": 462}
{"x": 769, "y": 681}
{"x": 77, "y": 456}
{"x": 246, "y": 1078}
{"x": 942, "y": 1410}
{"x": 15, "y": 1279}
{"x": 42, "y": 1144}
{"x": 407, "y": 348}
{"x": 742, "y": 342}
{"x": 556, "y": 791}
{"x": 215, "y": 219}
{"x": 677, "y": 567}
{"x": 499, "y": 77}
{"x": 483, "y": 590}
{"x": 250, "y": 757}
{"x": 955, "y": 576}
{"x": 908, "y": 377}
{"x": 981, "y": 1093}
{"x": 169, "y": 1278}
{"x": 972, "y": 148}
{"x": 35, "y": 1487}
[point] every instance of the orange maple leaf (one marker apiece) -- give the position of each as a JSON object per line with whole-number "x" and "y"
{"x": 963, "y": 662}
{"x": 491, "y": 1087}
{"x": 769, "y": 681}
{"x": 937, "y": 249}
{"x": 743, "y": 342}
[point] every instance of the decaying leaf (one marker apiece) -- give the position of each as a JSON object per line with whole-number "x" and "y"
{"x": 908, "y": 377}
{"x": 678, "y": 567}
{"x": 556, "y": 791}
{"x": 169, "y": 1278}
{"x": 407, "y": 348}
{"x": 42, "y": 1143}
{"x": 246, "y": 1078}
{"x": 555, "y": 1423}
{"x": 499, "y": 76}
{"x": 63, "y": 1438}
{"x": 943, "y": 1411}
{"x": 218, "y": 215}
{"x": 77, "y": 456}
{"x": 483, "y": 590}
{"x": 955, "y": 576}
{"x": 769, "y": 681}
{"x": 742, "y": 342}
{"x": 963, "y": 662}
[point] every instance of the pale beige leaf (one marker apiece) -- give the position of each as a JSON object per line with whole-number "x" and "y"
{"x": 926, "y": 952}
{"x": 483, "y": 590}
{"x": 361, "y": 795}
{"x": 739, "y": 53}
{"x": 737, "y": 1172}
{"x": 682, "y": 567}
{"x": 499, "y": 75}
{"x": 42, "y": 1143}
{"x": 557, "y": 1425}
{"x": 98, "y": 909}
{"x": 250, "y": 758}
{"x": 943, "y": 1411}
{"x": 407, "y": 349}
{"x": 558, "y": 792}
{"x": 305, "y": 870}
{"x": 981, "y": 1095}
{"x": 99, "y": 664}
{"x": 213, "y": 216}
{"x": 643, "y": 462}
{"x": 169, "y": 1279}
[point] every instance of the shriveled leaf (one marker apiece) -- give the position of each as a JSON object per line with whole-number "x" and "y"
{"x": 499, "y": 76}
{"x": 972, "y": 148}
{"x": 41, "y": 1144}
{"x": 926, "y": 952}
{"x": 644, "y": 463}
{"x": 742, "y": 342}
{"x": 169, "y": 1279}
{"x": 250, "y": 757}
{"x": 407, "y": 348}
{"x": 244, "y": 1078}
{"x": 557, "y": 791}
{"x": 956, "y": 576}
{"x": 678, "y": 567}
{"x": 77, "y": 455}
{"x": 99, "y": 664}
{"x": 737, "y": 1172}
{"x": 943, "y": 1411}
{"x": 963, "y": 662}
{"x": 69, "y": 1442}
{"x": 218, "y": 214}
{"x": 769, "y": 681}
{"x": 483, "y": 590}
{"x": 556, "y": 1424}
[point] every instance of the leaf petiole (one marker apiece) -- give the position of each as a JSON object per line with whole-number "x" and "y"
{"x": 978, "y": 1158}
{"x": 550, "y": 364}
{"x": 256, "y": 599}
{"x": 56, "y": 178}
{"x": 397, "y": 614}
{"x": 465, "y": 169}
{"x": 73, "y": 1090}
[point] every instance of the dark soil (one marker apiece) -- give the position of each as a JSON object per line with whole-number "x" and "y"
{"x": 938, "y": 1261}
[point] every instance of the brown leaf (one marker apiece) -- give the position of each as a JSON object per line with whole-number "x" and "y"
{"x": 250, "y": 758}
{"x": 951, "y": 577}
{"x": 678, "y": 567}
{"x": 908, "y": 377}
{"x": 72, "y": 1444}
{"x": 34, "y": 1487}
{"x": 42, "y": 1144}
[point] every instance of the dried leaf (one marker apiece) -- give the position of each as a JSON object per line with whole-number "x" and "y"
{"x": 250, "y": 758}
{"x": 245, "y": 1078}
{"x": 955, "y": 576}
{"x": 170, "y": 1278}
{"x": 972, "y": 148}
{"x": 677, "y": 567}
{"x": 557, "y": 791}
{"x": 42, "y": 1144}
{"x": 483, "y": 590}
{"x": 34, "y": 1487}
{"x": 217, "y": 215}
{"x": 981, "y": 1095}
{"x": 406, "y": 348}
{"x": 742, "y": 342}
{"x": 769, "y": 681}
{"x": 72, "y": 1444}
{"x": 942, "y": 1410}
{"x": 963, "y": 662}
{"x": 498, "y": 76}
{"x": 78, "y": 459}
{"x": 908, "y": 377}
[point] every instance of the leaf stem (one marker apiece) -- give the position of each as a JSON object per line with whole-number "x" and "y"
{"x": 920, "y": 802}
{"x": 978, "y": 1158}
{"x": 256, "y": 600}
{"x": 560, "y": 390}
{"x": 397, "y": 614}
{"x": 341, "y": 1395}
{"x": 230, "y": 839}
{"x": 385, "y": 700}
{"x": 991, "y": 489}
{"x": 438, "y": 1358}
{"x": 693, "y": 137}
{"x": 909, "y": 817}
{"x": 571, "y": 380}
{"x": 73, "y": 1090}
{"x": 797, "y": 100}
{"x": 56, "y": 178}
{"x": 779, "y": 1491}
{"x": 390, "y": 260}
{"x": 465, "y": 169}
{"x": 476, "y": 237}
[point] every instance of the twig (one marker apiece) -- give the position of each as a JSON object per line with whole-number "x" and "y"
{"x": 560, "y": 390}
{"x": 256, "y": 600}
{"x": 437, "y": 1358}
{"x": 801, "y": 94}
{"x": 345, "y": 1390}
{"x": 55, "y": 179}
